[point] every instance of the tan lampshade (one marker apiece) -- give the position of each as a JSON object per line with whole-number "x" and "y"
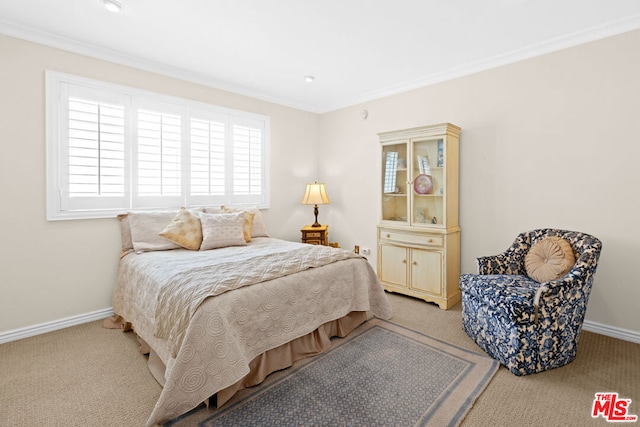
{"x": 316, "y": 194}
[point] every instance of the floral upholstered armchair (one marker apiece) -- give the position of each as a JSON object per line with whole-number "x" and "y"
{"x": 526, "y": 306}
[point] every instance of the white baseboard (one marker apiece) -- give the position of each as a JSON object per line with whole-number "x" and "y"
{"x": 42, "y": 328}
{"x": 610, "y": 331}
{"x": 16, "y": 334}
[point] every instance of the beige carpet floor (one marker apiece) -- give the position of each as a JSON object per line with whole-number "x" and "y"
{"x": 89, "y": 376}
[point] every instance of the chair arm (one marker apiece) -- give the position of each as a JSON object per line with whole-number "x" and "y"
{"x": 582, "y": 271}
{"x": 499, "y": 264}
{"x": 575, "y": 278}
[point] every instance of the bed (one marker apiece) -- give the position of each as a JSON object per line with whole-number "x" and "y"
{"x": 215, "y": 321}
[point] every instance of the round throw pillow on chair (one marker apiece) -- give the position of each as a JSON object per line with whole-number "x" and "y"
{"x": 549, "y": 259}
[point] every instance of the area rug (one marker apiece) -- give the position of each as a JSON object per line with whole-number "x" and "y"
{"x": 382, "y": 374}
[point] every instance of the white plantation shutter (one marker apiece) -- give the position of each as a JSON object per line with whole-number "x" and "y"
{"x": 112, "y": 148}
{"x": 93, "y": 157}
{"x": 248, "y": 161}
{"x": 96, "y": 149}
{"x": 159, "y": 154}
{"x": 208, "y": 160}
{"x": 158, "y": 158}
{"x": 228, "y": 160}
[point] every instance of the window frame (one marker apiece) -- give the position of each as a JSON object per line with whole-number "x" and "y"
{"x": 57, "y": 86}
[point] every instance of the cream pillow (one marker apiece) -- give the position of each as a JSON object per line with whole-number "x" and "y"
{"x": 248, "y": 221}
{"x": 258, "y": 227}
{"x": 146, "y": 228}
{"x": 185, "y": 230}
{"x": 247, "y": 229}
{"x": 222, "y": 230}
{"x": 125, "y": 233}
{"x": 549, "y": 259}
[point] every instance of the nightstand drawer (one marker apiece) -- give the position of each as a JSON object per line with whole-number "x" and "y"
{"x": 415, "y": 239}
{"x": 315, "y": 235}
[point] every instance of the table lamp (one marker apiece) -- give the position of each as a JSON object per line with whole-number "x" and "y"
{"x": 315, "y": 194}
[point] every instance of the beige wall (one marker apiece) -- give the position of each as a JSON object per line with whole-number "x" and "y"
{"x": 547, "y": 142}
{"x": 54, "y": 270}
{"x": 552, "y": 141}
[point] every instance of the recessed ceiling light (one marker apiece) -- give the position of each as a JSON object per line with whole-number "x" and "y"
{"x": 112, "y": 5}
{"x": 309, "y": 78}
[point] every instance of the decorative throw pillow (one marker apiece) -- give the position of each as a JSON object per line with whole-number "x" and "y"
{"x": 185, "y": 230}
{"x": 146, "y": 228}
{"x": 222, "y": 230}
{"x": 248, "y": 221}
{"x": 247, "y": 227}
{"x": 549, "y": 259}
{"x": 258, "y": 227}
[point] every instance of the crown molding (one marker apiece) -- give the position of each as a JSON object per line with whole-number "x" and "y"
{"x": 559, "y": 43}
{"x": 577, "y": 38}
{"x": 102, "y": 53}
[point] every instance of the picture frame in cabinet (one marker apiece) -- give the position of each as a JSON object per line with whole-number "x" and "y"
{"x": 391, "y": 167}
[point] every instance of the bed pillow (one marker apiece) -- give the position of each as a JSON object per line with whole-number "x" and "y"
{"x": 146, "y": 228}
{"x": 549, "y": 259}
{"x": 125, "y": 234}
{"x": 248, "y": 219}
{"x": 185, "y": 230}
{"x": 258, "y": 228}
{"x": 222, "y": 230}
{"x": 213, "y": 210}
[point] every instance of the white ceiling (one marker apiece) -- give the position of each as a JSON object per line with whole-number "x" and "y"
{"x": 358, "y": 50}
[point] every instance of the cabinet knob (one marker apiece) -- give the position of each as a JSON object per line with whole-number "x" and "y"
{"x": 404, "y": 261}
{"x": 388, "y": 235}
{"x": 415, "y": 262}
{"x": 429, "y": 240}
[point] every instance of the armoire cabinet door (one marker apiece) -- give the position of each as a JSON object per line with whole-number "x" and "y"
{"x": 393, "y": 269}
{"x": 426, "y": 271}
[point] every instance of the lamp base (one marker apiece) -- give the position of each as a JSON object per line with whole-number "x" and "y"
{"x": 315, "y": 212}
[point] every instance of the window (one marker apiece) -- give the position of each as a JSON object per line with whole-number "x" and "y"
{"x": 113, "y": 148}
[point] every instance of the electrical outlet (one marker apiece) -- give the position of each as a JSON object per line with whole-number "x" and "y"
{"x": 365, "y": 251}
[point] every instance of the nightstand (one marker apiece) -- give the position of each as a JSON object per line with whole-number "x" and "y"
{"x": 315, "y": 235}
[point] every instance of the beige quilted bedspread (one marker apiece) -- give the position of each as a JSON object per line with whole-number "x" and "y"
{"x": 184, "y": 291}
{"x": 266, "y": 294}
